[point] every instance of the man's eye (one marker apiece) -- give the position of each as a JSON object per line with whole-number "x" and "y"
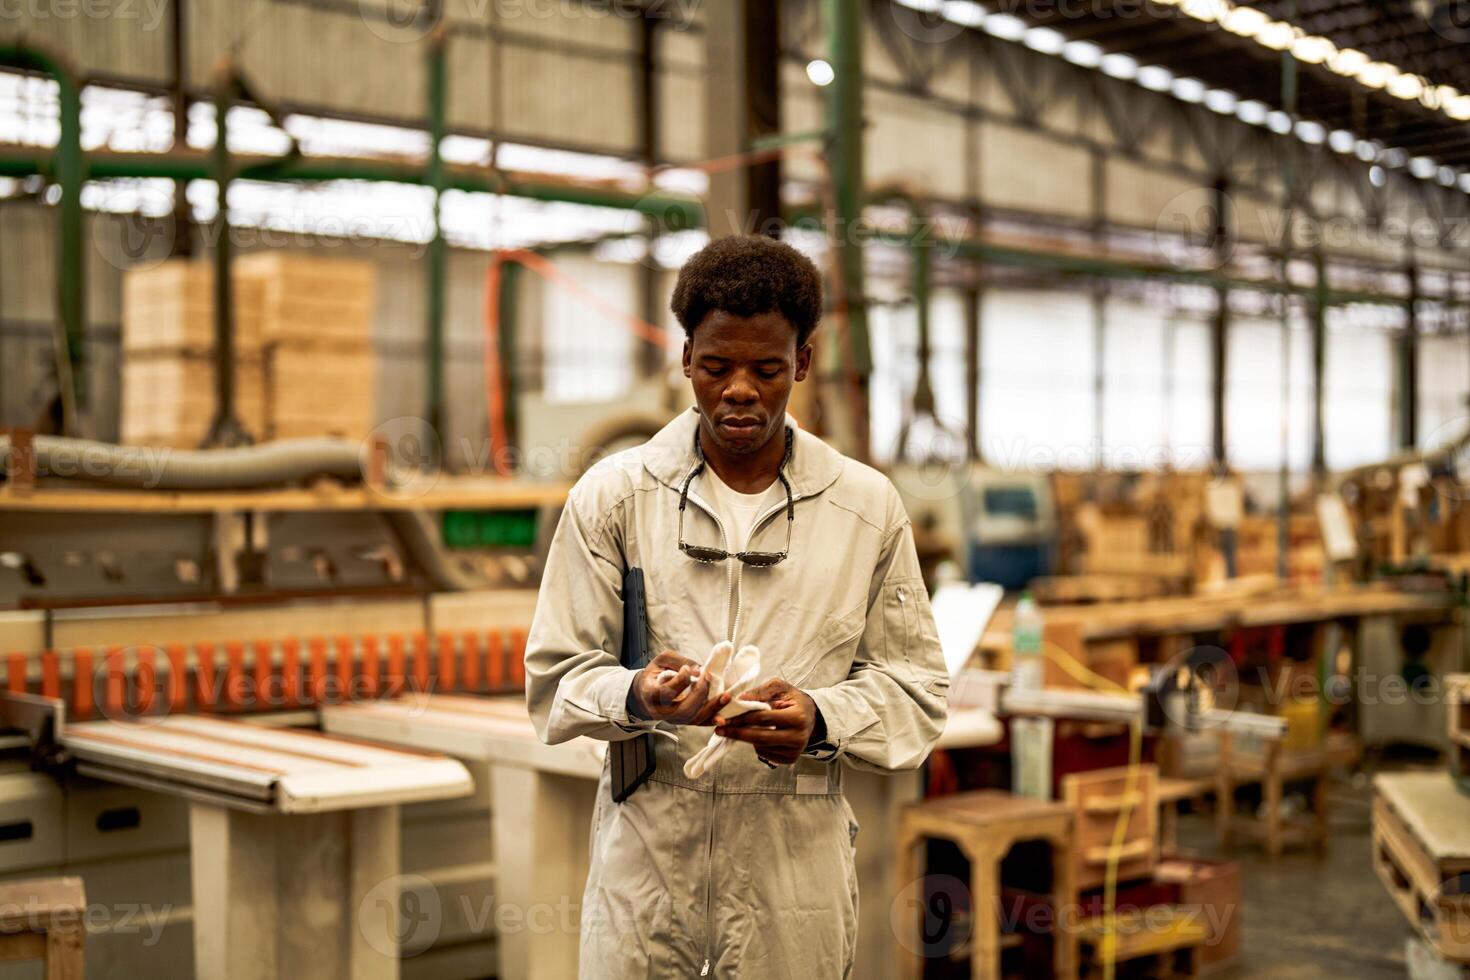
{"x": 771, "y": 373}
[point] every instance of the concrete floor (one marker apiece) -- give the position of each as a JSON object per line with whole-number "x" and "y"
{"x": 1308, "y": 917}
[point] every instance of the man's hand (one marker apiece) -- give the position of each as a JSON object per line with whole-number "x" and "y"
{"x": 780, "y": 734}
{"x": 681, "y": 700}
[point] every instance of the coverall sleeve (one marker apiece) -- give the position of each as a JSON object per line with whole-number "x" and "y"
{"x": 891, "y": 708}
{"x": 575, "y": 684}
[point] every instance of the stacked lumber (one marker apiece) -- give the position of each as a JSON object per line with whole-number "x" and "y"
{"x": 304, "y": 362}
{"x": 316, "y": 327}
{"x": 168, "y": 393}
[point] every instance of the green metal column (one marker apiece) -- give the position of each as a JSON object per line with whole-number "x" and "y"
{"x": 845, "y": 154}
{"x": 69, "y": 171}
{"x": 1220, "y": 327}
{"x": 436, "y": 267}
{"x": 1407, "y": 355}
{"x": 1319, "y": 369}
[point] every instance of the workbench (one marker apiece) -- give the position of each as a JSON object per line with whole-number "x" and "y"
{"x": 294, "y": 837}
{"x": 542, "y": 800}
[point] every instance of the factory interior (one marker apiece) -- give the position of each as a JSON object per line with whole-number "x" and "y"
{"x": 1153, "y": 314}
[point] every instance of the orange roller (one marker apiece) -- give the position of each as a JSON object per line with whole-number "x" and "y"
{"x": 395, "y": 665}
{"x": 518, "y": 658}
{"x": 421, "y": 662}
{"x": 82, "y": 682}
{"x": 262, "y": 649}
{"x": 345, "y": 664}
{"x": 234, "y": 675}
{"x": 444, "y": 681}
{"x": 16, "y": 668}
{"x": 316, "y": 669}
{"x": 50, "y": 674}
{"x": 471, "y": 661}
{"x": 370, "y": 666}
{"x": 291, "y": 671}
{"x": 494, "y": 660}
{"x": 146, "y": 679}
{"x": 116, "y": 687}
{"x": 176, "y": 675}
{"x": 204, "y": 689}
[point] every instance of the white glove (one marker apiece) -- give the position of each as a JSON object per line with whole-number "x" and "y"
{"x": 734, "y": 673}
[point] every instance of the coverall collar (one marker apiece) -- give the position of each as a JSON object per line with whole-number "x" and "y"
{"x": 669, "y": 456}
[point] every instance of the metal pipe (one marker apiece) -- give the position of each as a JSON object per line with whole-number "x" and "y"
{"x": 435, "y": 267}
{"x": 69, "y": 170}
{"x": 225, "y": 429}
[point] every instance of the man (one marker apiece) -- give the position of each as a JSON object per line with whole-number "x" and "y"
{"x": 760, "y": 534}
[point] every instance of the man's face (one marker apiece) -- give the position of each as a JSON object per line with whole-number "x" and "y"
{"x": 742, "y": 369}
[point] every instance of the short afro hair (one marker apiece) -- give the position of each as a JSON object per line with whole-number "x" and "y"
{"x": 747, "y": 275}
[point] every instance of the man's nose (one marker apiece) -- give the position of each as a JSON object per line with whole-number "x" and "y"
{"x": 740, "y": 390}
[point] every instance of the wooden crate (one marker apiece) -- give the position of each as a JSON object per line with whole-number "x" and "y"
{"x": 168, "y": 399}
{"x": 1096, "y": 799}
{"x": 319, "y": 390}
{"x": 170, "y": 307}
{"x": 1421, "y": 853}
{"x": 310, "y": 299}
{"x": 1211, "y": 891}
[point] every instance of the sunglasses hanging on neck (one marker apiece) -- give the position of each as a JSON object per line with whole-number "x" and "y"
{"x": 756, "y": 559}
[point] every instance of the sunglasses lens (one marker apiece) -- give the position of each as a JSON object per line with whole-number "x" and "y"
{"x": 705, "y": 554}
{"x": 760, "y": 559}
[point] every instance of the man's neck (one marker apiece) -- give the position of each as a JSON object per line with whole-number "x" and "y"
{"x": 747, "y": 472}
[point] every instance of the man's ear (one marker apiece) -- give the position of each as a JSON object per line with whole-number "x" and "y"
{"x": 688, "y": 352}
{"x": 803, "y": 362}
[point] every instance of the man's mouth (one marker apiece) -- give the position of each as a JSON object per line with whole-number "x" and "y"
{"x": 741, "y": 426}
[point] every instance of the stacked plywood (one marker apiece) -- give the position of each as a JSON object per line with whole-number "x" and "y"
{"x": 316, "y": 336}
{"x": 168, "y": 395}
{"x": 304, "y": 364}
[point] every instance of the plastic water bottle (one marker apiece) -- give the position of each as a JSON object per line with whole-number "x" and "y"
{"x": 1026, "y": 672}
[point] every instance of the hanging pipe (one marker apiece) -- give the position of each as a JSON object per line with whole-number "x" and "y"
{"x": 67, "y": 167}
{"x": 434, "y": 268}
{"x": 225, "y": 429}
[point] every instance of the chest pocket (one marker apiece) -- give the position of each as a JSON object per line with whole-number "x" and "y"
{"x": 827, "y": 657}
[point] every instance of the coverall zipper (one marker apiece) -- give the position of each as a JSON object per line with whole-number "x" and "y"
{"x": 732, "y": 611}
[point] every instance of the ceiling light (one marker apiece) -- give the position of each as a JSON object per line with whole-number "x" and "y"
{"x": 1189, "y": 90}
{"x": 1395, "y": 157}
{"x": 820, "y": 72}
{"x": 1279, "y": 123}
{"x": 1423, "y": 168}
{"x": 1342, "y": 141}
{"x": 1245, "y": 21}
{"x": 1465, "y": 183}
{"x": 1376, "y": 74}
{"x": 1406, "y": 87}
{"x": 1368, "y": 151}
{"x": 1205, "y": 10}
{"x": 1252, "y": 112}
{"x": 1005, "y": 27}
{"x": 968, "y": 13}
{"x": 1448, "y": 177}
{"x": 1277, "y": 36}
{"x": 1154, "y": 78}
{"x": 1045, "y": 40}
{"x": 1221, "y": 101}
{"x": 1378, "y": 176}
{"x": 1313, "y": 50}
{"x": 1459, "y": 108}
{"x": 1311, "y": 132}
{"x": 1348, "y": 61}
{"x": 1119, "y": 66}
{"x": 1083, "y": 53}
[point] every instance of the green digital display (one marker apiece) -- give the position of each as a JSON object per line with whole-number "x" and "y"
{"x": 473, "y": 530}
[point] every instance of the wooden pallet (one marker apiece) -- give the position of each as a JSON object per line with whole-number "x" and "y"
{"x": 170, "y": 307}
{"x": 310, "y": 299}
{"x": 168, "y": 398}
{"x": 319, "y": 390}
{"x": 1421, "y": 853}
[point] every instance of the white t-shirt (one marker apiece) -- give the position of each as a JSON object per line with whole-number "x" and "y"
{"x": 738, "y": 511}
